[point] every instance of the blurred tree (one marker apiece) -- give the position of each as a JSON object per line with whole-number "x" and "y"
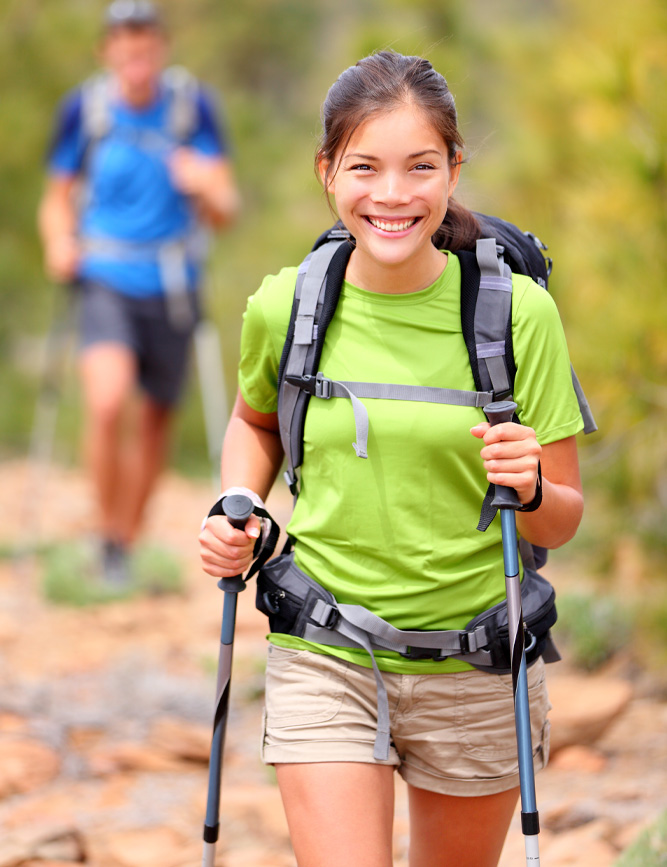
{"x": 562, "y": 105}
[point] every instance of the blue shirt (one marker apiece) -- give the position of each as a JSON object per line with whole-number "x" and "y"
{"x": 129, "y": 195}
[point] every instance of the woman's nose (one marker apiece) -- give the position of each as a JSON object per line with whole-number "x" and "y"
{"x": 390, "y": 189}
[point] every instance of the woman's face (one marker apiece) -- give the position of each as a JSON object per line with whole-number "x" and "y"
{"x": 391, "y": 186}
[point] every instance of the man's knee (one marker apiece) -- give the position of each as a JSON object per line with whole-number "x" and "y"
{"x": 105, "y": 411}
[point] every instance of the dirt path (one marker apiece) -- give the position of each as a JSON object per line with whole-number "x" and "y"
{"x": 105, "y": 722}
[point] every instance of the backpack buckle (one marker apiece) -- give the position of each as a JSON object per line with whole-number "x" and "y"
{"x": 318, "y": 386}
{"x": 433, "y": 653}
{"x": 322, "y": 386}
{"x": 292, "y": 482}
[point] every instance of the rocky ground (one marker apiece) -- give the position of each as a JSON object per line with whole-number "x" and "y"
{"x": 105, "y": 719}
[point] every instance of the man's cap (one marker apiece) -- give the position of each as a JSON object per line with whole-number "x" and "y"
{"x": 132, "y": 13}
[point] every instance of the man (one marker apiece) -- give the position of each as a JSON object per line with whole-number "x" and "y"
{"x": 138, "y": 165}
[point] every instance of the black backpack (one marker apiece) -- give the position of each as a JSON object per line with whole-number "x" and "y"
{"x": 486, "y": 306}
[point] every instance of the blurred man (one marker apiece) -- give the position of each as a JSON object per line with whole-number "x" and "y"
{"x": 137, "y": 168}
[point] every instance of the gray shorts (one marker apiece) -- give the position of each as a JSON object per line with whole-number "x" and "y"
{"x": 143, "y": 325}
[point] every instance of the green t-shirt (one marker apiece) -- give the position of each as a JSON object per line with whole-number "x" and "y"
{"x": 397, "y": 532}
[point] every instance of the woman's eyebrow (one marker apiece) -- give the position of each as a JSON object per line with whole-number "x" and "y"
{"x": 409, "y": 156}
{"x": 359, "y": 157}
{"x": 423, "y": 153}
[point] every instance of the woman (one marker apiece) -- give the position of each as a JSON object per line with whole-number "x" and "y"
{"x": 396, "y": 533}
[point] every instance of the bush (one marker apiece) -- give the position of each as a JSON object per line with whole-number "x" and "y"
{"x": 592, "y": 626}
{"x": 72, "y": 574}
{"x": 649, "y": 849}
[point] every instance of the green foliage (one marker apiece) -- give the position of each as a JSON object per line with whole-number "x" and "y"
{"x": 592, "y": 627}
{"x": 72, "y": 575}
{"x": 650, "y": 848}
{"x": 562, "y": 105}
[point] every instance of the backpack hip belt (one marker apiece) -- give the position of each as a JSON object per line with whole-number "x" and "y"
{"x": 172, "y": 256}
{"x": 297, "y": 605}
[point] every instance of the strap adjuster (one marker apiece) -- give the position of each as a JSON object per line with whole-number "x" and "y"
{"x": 292, "y": 482}
{"x": 318, "y": 386}
{"x": 433, "y": 653}
{"x": 324, "y": 614}
{"x": 322, "y": 386}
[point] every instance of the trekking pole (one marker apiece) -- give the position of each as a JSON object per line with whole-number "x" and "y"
{"x": 53, "y": 370}
{"x": 238, "y": 509}
{"x": 507, "y": 501}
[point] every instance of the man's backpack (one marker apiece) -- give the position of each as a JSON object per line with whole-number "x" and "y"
{"x": 179, "y": 85}
{"x": 486, "y": 306}
{"x": 181, "y": 90}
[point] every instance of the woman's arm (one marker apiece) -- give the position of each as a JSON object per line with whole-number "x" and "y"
{"x": 511, "y": 454}
{"x": 251, "y": 457}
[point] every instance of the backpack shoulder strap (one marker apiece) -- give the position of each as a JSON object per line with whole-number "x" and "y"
{"x": 182, "y": 88}
{"x": 95, "y": 106}
{"x": 317, "y": 291}
{"x": 486, "y": 309}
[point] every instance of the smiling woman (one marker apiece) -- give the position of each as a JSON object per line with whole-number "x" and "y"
{"x": 391, "y": 186}
{"x": 395, "y": 532}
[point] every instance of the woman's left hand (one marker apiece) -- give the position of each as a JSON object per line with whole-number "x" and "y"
{"x": 511, "y": 454}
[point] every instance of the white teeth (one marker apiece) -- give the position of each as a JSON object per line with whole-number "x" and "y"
{"x": 392, "y": 227}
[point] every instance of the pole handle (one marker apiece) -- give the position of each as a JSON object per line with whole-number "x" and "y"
{"x": 237, "y": 508}
{"x": 498, "y": 412}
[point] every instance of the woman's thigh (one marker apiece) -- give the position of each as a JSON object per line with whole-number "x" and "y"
{"x": 339, "y": 813}
{"x": 446, "y": 830}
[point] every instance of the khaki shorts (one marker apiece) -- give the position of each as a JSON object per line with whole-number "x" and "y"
{"x": 452, "y": 733}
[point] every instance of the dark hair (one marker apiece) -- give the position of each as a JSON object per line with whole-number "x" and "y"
{"x": 384, "y": 81}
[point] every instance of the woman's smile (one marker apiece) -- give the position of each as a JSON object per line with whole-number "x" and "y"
{"x": 391, "y": 186}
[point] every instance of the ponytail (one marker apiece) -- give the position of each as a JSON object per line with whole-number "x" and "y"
{"x": 459, "y": 230}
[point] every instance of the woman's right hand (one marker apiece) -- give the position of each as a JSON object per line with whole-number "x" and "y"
{"x": 224, "y": 550}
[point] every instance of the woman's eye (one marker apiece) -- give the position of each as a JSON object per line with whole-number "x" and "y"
{"x": 361, "y": 167}
{"x": 424, "y": 166}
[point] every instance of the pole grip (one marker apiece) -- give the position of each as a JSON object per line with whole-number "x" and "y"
{"x": 237, "y": 508}
{"x": 498, "y": 412}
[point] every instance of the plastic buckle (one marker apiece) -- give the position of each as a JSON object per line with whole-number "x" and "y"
{"x": 424, "y": 653}
{"x": 292, "y": 482}
{"x": 464, "y": 642}
{"x": 322, "y": 386}
{"x": 324, "y": 614}
{"x": 332, "y": 619}
{"x": 502, "y": 395}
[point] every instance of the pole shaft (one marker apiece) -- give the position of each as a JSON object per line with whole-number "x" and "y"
{"x": 220, "y": 724}
{"x": 520, "y": 687}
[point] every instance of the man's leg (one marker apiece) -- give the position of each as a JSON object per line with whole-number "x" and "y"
{"x": 108, "y": 373}
{"x": 143, "y": 460}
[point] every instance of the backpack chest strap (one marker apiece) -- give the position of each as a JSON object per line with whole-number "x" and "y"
{"x": 322, "y": 387}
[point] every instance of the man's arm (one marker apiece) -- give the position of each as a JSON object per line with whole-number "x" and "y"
{"x": 57, "y": 224}
{"x": 210, "y": 181}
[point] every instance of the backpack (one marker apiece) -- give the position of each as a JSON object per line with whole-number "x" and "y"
{"x": 181, "y": 89}
{"x": 178, "y": 83}
{"x": 486, "y": 306}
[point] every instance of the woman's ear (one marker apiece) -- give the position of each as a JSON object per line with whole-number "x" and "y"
{"x": 454, "y": 172}
{"x": 323, "y": 166}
